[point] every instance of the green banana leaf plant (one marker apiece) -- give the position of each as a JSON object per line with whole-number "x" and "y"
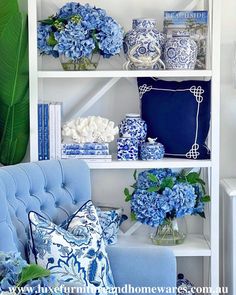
{"x": 14, "y": 83}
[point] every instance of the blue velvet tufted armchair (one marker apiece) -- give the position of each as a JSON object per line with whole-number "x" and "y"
{"x": 56, "y": 189}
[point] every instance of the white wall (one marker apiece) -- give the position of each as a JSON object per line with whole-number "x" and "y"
{"x": 228, "y": 92}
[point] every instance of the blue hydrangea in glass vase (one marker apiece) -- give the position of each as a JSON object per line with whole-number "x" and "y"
{"x": 79, "y": 35}
{"x": 161, "y": 197}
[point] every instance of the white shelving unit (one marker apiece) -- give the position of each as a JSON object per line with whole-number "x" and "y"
{"x": 204, "y": 245}
{"x": 125, "y": 74}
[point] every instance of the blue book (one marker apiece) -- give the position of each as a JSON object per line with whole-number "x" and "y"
{"x": 40, "y": 132}
{"x": 196, "y": 23}
{"x": 46, "y": 155}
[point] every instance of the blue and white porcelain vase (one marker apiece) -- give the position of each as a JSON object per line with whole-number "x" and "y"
{"x": 127, "y": 149}
{"x": 152, "y": 150}
{"x": 184, "y": 284}
{"x": 143, "y": 45}
{"x": 180, "y": 52}
{"x": 134, "y": 127}
{"x": 110, "y": 220}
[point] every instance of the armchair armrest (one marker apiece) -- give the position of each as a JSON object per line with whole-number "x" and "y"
{"x": 143, "y": 267}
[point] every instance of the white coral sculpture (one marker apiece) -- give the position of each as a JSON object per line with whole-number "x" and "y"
{"x": 89, "y": 129}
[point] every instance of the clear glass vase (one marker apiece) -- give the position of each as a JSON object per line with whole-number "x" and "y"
{"x": 168, "y": 234}
{"x": 81, "y": 64}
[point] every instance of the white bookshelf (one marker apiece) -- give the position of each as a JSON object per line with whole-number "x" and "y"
{"x": 125, "y": 74}
{"x": 196, "y": 245}
{"x": 164, "y": 163}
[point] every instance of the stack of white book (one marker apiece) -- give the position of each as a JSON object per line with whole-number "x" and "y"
{"x": 91, "y": 152}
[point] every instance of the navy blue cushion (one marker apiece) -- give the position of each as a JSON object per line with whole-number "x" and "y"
{"x": 178, "y": 114}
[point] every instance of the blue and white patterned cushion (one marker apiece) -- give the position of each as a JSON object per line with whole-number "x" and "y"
{"x": 77, "y": 255}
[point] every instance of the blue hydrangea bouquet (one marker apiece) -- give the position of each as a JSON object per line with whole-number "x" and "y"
{"x": 79, "y": 35}
{"x": 18, "y": 277}
{"x": 161, "y": 196}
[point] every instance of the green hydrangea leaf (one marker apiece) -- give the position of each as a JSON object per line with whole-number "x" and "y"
{"x": 133, "y": 216}
{"x": 127, "y": 194}
{"x": 206, "y": 199}
{"x": 152, "y": 177}
{"x": 32, "y": 272}
{"x": 153, "y": 189}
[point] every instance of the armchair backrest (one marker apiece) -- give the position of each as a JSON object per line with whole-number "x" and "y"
{"x": 55, "y": 189}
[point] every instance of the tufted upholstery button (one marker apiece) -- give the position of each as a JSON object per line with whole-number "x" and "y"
{"x": 74, "y": 202}
{"x": 56, "y": 204}
{"x": 42, "y": 207}
{"x": 63, "y": 185}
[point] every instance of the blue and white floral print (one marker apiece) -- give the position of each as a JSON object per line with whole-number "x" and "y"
{"x": 76, "y": 255}
{"x": 110, "y": 220}
{"x": 180, "y": 52}
{"x": 127, "y": 149}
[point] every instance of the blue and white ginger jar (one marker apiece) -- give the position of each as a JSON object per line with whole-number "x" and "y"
{"x": 143, "y": 45}
{"x": 152, "y": 150}
{"x": 184, "y": 286}
{"x": 127, "y": 149}
{"x": 134, "y": 127}
{"x": 180, "y": 52}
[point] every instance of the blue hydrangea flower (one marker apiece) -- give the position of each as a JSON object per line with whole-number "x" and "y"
{"x": 143, "y": 182}
{"x": 73, "y": 42}
{"x": 85, "y": 28}
{"x": 48, "y": 282}
{"x": 200, "y": 206}
{"x": 43, "y": 35}
{"x": 69, "y": 9}
{"x": 149, "y": 208}
{"x": 182, "y": 199}
{"x": 11, "y": 265}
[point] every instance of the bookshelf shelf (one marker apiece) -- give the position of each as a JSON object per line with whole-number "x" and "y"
{"x": 165, "y": 163}
{"x": 195, "y": 245}
{"x": 124, "y": 74}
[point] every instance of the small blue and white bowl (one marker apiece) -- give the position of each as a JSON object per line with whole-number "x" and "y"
{"x": 110, "y": 220}
{"x": 127, "y": 149}
{"x": 152, "y": 150}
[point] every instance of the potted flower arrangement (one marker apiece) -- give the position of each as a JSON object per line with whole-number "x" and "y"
{"x": 79, "y": 35}
{"x": 18, "y": 277}
{"x": 161, "y": 196}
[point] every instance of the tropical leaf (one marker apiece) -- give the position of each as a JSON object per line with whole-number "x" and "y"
{"x": 7, "y": 9}
{"x": 14, "y": 102}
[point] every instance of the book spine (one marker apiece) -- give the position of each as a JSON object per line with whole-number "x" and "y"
{"x": 84, "y": 152}
{"x": 40, "y": 132}
{"x": 52, "y": 129}
{"x": 58, "y": 111}
{"x": 46, "y": 132}
{"x": 85, "y": 146}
